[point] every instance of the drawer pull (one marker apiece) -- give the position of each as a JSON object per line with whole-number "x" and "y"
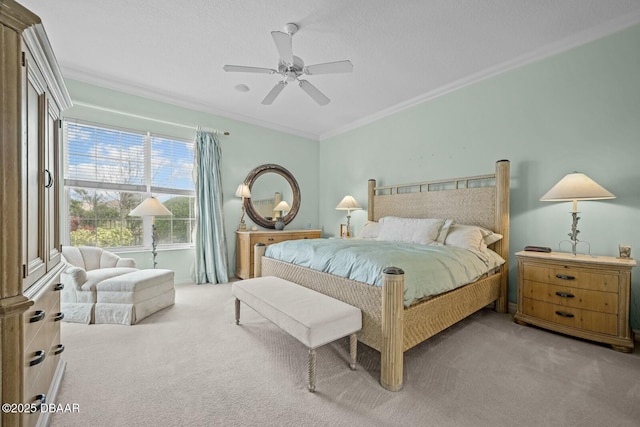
{"x": 565, "y": 294}
{"x": 40, "y": 355}
{"x": 38, "y": 316}
{"x": 565, "y": 277}
{"x": 270, "y": 239}
{"x": 58, "y": 287}
{"x": 59, "y": 349}
{"x": 564, "y": 314}
{"x": 42, "y": 398}
{"x": 58, "y": 317}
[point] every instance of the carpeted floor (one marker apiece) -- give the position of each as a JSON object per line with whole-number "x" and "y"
{"x": 190, "y": 365}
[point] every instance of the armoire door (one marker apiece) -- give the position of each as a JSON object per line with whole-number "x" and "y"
{"x": 33, "y": 160}
{"x": 52, "y": 183}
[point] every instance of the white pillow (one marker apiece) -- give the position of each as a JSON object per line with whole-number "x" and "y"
{"x": 411, "y": 230}
{"x": 371, "y": 230}
{"x": 442, "y": 235}
{"x": 466, "y": 236}
{"x": 490, "y": 237}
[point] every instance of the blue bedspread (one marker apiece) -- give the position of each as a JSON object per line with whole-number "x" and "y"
{"x": 429, "y": 270}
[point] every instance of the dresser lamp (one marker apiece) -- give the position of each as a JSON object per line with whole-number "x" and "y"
{"x": 348, "y": 203}
{"x": 151, "y": 207}
{"x": 573, "y": 187}
{"x": 243, "y": 192}
{"x": 281, "y": 207}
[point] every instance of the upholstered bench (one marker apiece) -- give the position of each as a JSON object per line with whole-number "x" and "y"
{"x": 312, "y": 318}
{"x": 131, "y": 297}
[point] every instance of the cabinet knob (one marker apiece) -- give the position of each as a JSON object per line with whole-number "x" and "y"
{"x": 39, "y": 358}
{"x": 42, "y": 398}
{"x": 38, "y": 316}
{"x": 49, "y": 182}
{"x": 565, "y": 294}
{"x": 564, "y": 314}
{"x": 58, "y": 287}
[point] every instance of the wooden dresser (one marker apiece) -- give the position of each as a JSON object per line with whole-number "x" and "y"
{"x": 580, "y": 295}
{"x": 32, "y": 95}
{"x": 246, "y": 240}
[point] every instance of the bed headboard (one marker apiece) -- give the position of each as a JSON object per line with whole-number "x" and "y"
{"x": 478, "y": 200}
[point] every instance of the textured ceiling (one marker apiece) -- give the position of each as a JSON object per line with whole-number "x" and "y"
{"x": 403, "y": 51}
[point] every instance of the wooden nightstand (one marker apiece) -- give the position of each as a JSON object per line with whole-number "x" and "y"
{"x": 579, "y": 295}
{"x": 246, "y": 240}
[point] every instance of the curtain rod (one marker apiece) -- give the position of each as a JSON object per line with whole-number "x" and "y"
{"x": 109, "y": 110}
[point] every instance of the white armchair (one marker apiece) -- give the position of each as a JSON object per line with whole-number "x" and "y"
{"x": 87, "y": 266}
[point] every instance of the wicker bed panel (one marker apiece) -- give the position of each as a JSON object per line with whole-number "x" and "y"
{"x": 475, "y": 206}
{"x": 366, "y": 297}
{"x": 425, "y": 319}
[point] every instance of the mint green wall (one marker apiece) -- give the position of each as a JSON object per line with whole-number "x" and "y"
{"x": 579, "y": 110}
{"x": 248, "y": 146}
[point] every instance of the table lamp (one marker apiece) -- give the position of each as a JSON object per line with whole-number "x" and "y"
{"x": 243, "y": 192}
{"x": 348, "y": 203}
{"x": 573, "y": 187}
{"x": 281, "y": 207}
{"x": 151, "y": 207}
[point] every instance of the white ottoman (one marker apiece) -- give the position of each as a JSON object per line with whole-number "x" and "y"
{"x": 313, "y": 318}
{"x": 129, "y": 298}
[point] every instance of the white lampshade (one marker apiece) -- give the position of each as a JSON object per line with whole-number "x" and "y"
{"x": 576, "y": 186}
{"x": 348, "y": 203}
{"x": 243, "y": 191}
{"x": 282, "y": 206}
{"x": 150, "y": 207}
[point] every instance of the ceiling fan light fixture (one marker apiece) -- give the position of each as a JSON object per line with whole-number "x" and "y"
{"x": 291, "y": 28}
{"x": 291, "y": 67}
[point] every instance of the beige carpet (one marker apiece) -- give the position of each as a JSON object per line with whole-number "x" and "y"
{"x": 190, "y": 365}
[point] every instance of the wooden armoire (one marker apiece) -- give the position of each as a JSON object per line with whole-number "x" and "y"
{"x": 32, "y": 95}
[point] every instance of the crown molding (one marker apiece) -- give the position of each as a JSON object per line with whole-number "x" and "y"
{"x": 568, "y": 43}
{"x": 85, "y": 77}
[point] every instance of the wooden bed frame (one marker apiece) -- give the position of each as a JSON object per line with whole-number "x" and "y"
{"x": 387, "y": 325}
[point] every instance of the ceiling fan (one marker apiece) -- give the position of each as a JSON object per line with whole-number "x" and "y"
{"x": 292, "y": 67}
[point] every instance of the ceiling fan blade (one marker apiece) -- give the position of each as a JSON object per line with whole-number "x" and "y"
{"x": 273, "y": 93}
{"x": 283, "y": 44}
{"x": 314, "y": 93}
{"x": 330, "y": 67}
{"x": 243, "y": 69}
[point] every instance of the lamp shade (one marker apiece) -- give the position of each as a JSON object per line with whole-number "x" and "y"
{"x": 282, "y": 206}
{"x": 348, "y": 203}
{"x": 243, "y": 191}
{"x": 150, "y": 207}
{"x": 576, "y": 186}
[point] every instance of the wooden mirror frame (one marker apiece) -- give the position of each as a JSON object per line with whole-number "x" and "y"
{"x": 295, "y": 205}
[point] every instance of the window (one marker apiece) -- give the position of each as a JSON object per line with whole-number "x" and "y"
{"x": 109, "y": 171}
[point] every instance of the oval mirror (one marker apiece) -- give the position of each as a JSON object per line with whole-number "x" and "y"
{"x": 269, "y": 185}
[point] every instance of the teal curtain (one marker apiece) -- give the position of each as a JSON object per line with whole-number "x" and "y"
{"x": 211, "y": 244}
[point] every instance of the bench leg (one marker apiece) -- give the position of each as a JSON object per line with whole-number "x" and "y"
{"x": 237, "y": 311}
{"x": 312, "y": 370}
{"x": 353, "y": 349}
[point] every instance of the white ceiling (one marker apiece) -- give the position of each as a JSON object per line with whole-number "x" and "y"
{"x": 403, "y": 51}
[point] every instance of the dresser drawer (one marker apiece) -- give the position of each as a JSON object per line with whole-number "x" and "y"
{"x": 605, "y": 302}
{"x": 574, "y": 317}
{"x": 597, "y": 280}
{"x": 246, "y": 241}
{"x": 44, "y": 303}
{"x": 269, "y": 239}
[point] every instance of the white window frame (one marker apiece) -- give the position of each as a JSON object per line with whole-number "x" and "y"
{"x": 146, "y": 189}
